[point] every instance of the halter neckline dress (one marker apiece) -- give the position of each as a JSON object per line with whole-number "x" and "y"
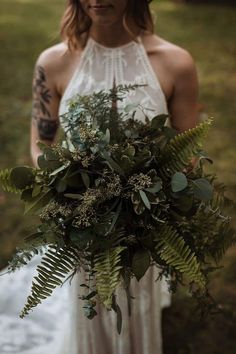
{"x": 99, "y": 67}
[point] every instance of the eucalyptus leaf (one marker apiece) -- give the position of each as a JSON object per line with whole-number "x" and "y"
{"x": 26, "y": 195}
{"x": 145, "y": 199}
{"x": 128, "y": 133}
{"x": 61, "y": 186}
{"x": 49, "y": 164}
{"x": 130, "y": 107}
{"x": 156, "y": 188}
{"x": 42, "y": 162}
{"x": 140, "y": 263}
{"x": 22, "y": 177}
{"x": 159, "y": 121}
{"x": 107, "y": 136}
{"x": 178, "y": 182}
{"x": 202, "y": 189}
{"x": 86, "y": 179}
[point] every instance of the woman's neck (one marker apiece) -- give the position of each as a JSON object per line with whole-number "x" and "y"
{"x": 113, "y": 35}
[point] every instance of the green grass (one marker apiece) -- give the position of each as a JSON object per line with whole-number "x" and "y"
{"x": 208, "y": 32}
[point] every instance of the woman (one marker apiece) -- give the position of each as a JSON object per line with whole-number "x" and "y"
{"x": 107, "y": 43}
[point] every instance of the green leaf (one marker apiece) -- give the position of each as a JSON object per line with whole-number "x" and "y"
{"x": 139, "y": 208}
{"x": 115, "y": 218}
{"x": 42, "y": 163}
{"x": 130, "y": 150}
{"x": 159, "y": 121}
{"x": 145, "y": 199}
{"x": 86, "y": 179}
{"x": 107, "y": 136}
{"x": 61, "y": 186}
{"x": 184, "y": 203}
{"x": 73, "y": 196}
{"x": 202, "y": 189}
{"x": 112, "y": 163}
{"x": 126, "y": 162}
{"x": 22, "y": 177}
{"x": 118, "y": 312}
{"x": 36, "y": 190}
{"x": 119, "y": 318}
{"x": 178, "y": 182}
{"x": 49, "y": 160}
{"x": 140, "y": 263}
{"x": 130, "y": 107}
{"x": 58, "y": 170}
{"x": 37, "y": 203}
{"x": 107, "y": 266}
{"x": 156, "y": 188}
{"x": 26, "y": 195}
{"x": 81, "y": 237}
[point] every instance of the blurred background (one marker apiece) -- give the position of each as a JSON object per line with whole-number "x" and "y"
{"x": 207, "y": 30}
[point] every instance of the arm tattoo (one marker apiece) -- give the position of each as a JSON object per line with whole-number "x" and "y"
{"x": 47, "y": 127}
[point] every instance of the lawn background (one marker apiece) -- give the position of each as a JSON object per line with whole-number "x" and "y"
{"x": 209, "y": 33}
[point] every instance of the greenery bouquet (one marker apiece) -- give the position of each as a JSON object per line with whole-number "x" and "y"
{"x": 116, "y": 197}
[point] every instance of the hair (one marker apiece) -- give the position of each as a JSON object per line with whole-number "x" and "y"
{"x": 75, "y": 22}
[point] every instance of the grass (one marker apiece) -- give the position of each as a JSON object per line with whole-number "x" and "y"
{"x": 208, "y": 32}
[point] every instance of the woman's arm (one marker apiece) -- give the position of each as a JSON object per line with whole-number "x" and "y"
{"x": 183, "y": 104}
{"x": 46, "y": 100}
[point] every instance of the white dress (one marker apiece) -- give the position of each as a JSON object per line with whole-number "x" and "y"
{"x": 58, "y": 326}
{"x": 43, "y": 331}
{"x": 98, "y": 69}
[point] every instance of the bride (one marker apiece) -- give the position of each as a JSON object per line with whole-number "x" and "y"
{"x": 104, "y": 43}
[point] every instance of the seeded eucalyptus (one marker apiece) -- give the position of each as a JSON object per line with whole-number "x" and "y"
{"x": 113, "y": 199}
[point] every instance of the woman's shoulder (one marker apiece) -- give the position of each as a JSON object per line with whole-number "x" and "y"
{"x": 175, "y": 57}
{"x": 58, "y": 63}
{"x": 56, "y": 58}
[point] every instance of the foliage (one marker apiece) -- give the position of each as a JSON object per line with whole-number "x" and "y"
{"x": 53, "y": 268}
{"x": 113, "y": 199}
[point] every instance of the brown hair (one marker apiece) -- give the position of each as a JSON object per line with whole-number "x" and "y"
{"x": 75, "y": 23}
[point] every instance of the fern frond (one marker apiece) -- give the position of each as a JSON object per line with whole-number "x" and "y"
{"x": 172, "y": 248}
{"x": 220, "y": 200}
{"x": 225, "y": 239}
{"x": 6, "y": 183}
{"x": 107, "y": 268}
{"x": 178, "y": 153}
{"x": 54, "y": 267}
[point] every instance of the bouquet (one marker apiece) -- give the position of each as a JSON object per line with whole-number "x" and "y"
{"x": 116, "y": 197}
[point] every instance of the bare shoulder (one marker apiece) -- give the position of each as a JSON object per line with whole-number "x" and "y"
{"x": 177, "y": 59}
{"x": 53, "y": 58}
{"x": 57, "y": 64}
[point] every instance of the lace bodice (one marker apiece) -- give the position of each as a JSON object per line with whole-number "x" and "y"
{"x": 100, "y": 67}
